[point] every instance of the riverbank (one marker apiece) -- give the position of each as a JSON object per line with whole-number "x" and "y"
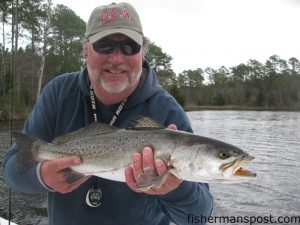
{"x": 238, "y": 108}
{"x": 19, "y": 113}
{"x": 22, "y": 113}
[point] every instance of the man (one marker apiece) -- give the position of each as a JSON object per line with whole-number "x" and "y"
{"x": 116, "y": 87}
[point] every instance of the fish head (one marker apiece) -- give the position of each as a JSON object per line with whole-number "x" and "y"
{"x": 212, "y": 162}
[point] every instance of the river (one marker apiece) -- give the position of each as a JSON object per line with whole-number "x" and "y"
{"x": 272, "y": 137}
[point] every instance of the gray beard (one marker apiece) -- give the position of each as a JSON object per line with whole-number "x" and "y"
{"x": 116, "y": 88}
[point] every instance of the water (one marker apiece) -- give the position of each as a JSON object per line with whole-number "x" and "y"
{"x": 272, "y": 137}
{"x": 26, "y": 209}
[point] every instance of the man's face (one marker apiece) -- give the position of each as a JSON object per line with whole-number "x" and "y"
{"x": 114, "y": 72}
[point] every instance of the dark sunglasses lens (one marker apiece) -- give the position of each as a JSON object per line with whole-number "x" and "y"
{"x": 104, "y": 47}
{"x": 130, "y": 48}
{"x": 108, "y": 46}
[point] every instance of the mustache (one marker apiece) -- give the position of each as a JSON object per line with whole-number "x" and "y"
{"x": 109, "y": 66}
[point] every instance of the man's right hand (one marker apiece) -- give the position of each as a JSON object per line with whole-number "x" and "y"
{"x": 53, "y": 175}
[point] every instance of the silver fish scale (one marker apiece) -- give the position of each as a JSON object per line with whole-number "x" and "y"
{"x": 114, "y": 150}
{"x": 106, "y": 150}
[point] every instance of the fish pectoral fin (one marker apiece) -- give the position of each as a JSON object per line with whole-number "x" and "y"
{"x": 150, "y": 179}
{"x": 71, "y": 176}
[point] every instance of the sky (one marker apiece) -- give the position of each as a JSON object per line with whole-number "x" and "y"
{"x": 214, "y": 33}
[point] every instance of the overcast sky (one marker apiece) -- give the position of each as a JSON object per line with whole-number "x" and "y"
{"x": 214, "y": 33}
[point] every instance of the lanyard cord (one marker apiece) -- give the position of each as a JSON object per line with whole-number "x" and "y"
{"x": 93, "y": 102}
{"x": 96, "y": 189}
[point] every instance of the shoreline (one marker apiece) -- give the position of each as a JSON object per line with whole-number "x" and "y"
{"x": 189, "y": 108}
{"x": 20, "y": 116}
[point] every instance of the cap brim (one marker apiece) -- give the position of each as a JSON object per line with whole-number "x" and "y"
{"x": 134, "y": 35}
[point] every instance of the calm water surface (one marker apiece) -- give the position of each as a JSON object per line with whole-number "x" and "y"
{"x": 26, "y": 209}
{"x": 272, "y": 137}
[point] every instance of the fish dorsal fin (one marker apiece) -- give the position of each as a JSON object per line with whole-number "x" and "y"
{"x": 92, "y": 129}
{"x": 146, "y": 123}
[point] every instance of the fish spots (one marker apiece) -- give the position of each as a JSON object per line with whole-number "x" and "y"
{"x": 118, "y": 141}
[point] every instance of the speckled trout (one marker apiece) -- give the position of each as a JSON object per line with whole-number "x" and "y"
{"x": 106, "y": 150}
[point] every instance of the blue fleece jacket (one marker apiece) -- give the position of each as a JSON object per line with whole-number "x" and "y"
{"x": 65, "y": 106}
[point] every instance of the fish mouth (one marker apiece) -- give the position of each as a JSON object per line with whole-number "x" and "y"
{"x": 237, "y": 167}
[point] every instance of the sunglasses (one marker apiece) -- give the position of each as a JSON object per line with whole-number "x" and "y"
{"x": 107, "y": 46}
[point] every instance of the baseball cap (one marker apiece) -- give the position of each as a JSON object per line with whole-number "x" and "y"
{"x": 112, "y": 19}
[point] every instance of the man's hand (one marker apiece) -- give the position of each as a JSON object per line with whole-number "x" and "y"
{"x": 53, "y": 174}
{"x": 146, "y": 160}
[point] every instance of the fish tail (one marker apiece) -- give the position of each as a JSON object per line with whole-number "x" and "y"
{"x": 28, "y": 148}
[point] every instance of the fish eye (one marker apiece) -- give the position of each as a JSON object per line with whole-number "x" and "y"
{"x": 224, "y": 155}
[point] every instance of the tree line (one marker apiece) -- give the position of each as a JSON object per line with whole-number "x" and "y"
{"x": 274, "y": 84}
{"x": 41, "y": 40}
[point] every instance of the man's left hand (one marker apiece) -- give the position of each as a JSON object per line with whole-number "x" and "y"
{"x": 146, "y": 160}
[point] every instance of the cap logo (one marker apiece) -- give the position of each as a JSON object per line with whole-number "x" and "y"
{"x": 111, "y": 15}
{"x": 114, "y": 18}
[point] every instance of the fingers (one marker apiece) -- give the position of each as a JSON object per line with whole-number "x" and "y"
{"x": 63, "y": 163}
{"x": 137, "y": 165}
{"x": 142, "y": 163}
{"x": 53, "y": 174}
{"x": 172, "y": 127}
{"x": 130, "y": 178}
{"x": 148, "y": 158}
{"x": 160, "y": 166}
